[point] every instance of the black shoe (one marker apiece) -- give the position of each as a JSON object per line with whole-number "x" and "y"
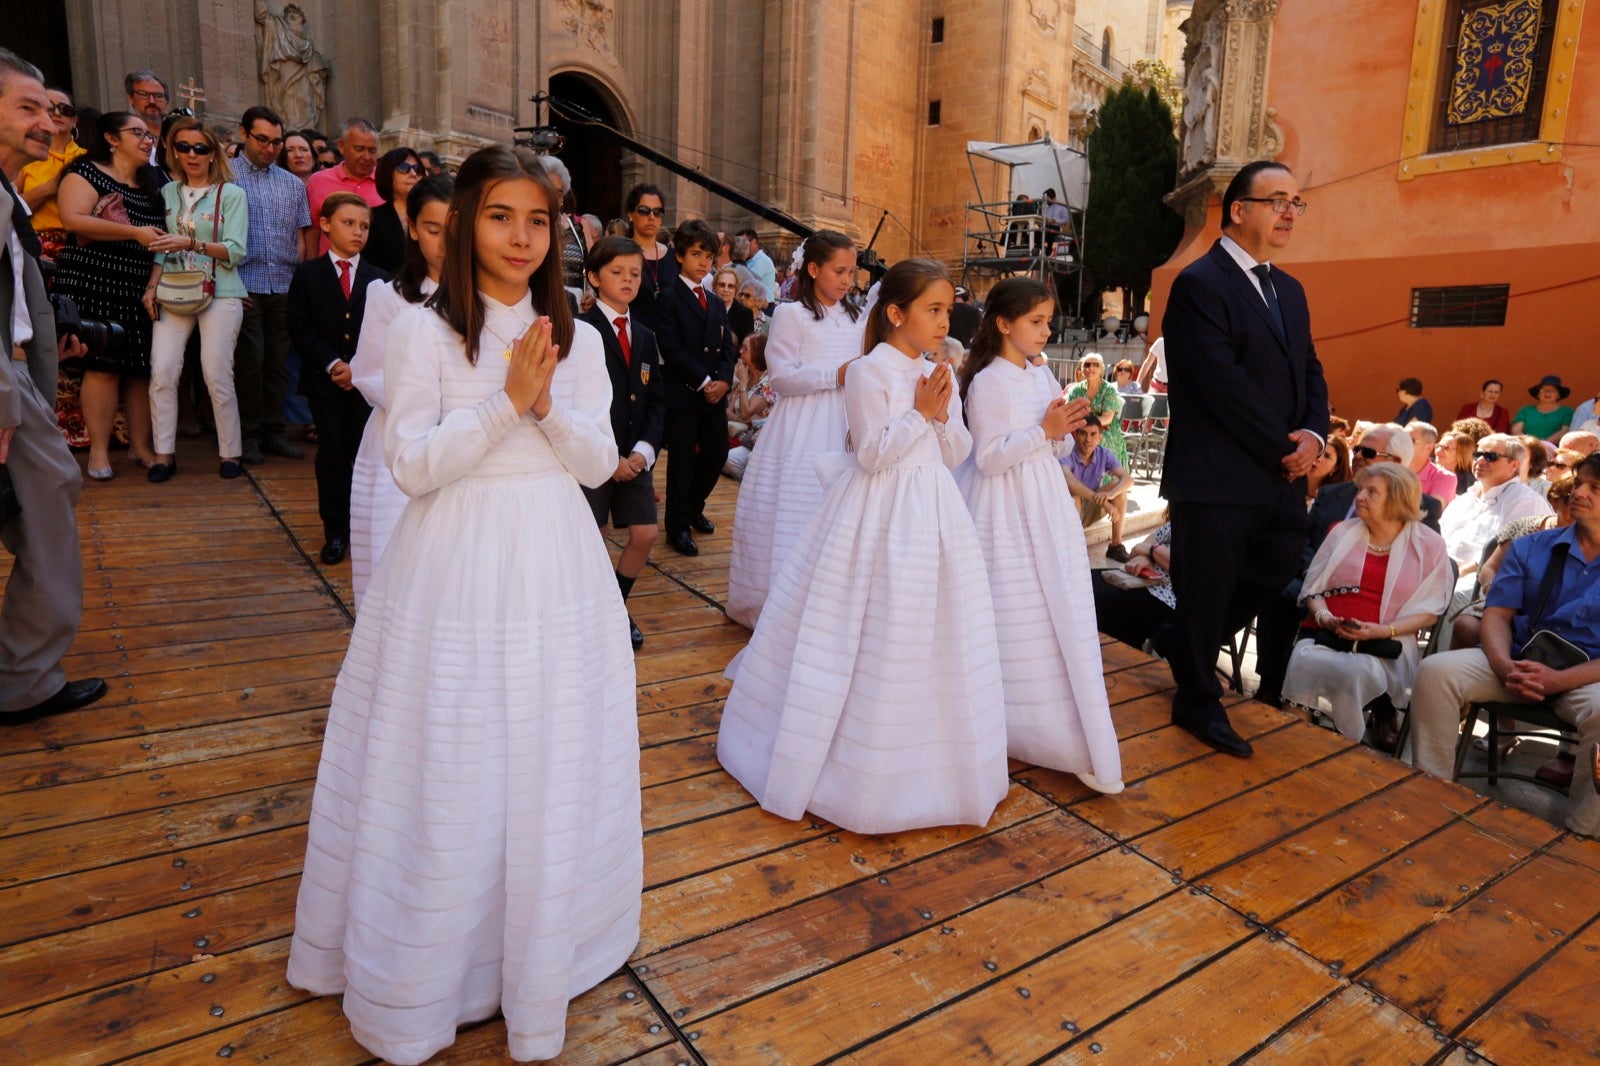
{"x": 1217, "y": 733}
{"x": 73, "y": 695}
{"x": 230, "y": 469}
{"x": 251, "y": 453}
{"x": 333, "y": 552}
{"x": 701, "y": 524}
{"x": 682, "y": 543}
{"x": 634, "y": 635}
{"x": 1385, "y": 728}
{"x": 160, "y": 472}
{"x": 1117, "y": 553}
{"x": 279, "y": 447}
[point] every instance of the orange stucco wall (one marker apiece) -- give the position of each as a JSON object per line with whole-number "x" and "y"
{"x": 1338, "y": 79}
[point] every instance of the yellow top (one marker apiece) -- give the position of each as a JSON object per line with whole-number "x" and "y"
{"x": 37, "y": 174}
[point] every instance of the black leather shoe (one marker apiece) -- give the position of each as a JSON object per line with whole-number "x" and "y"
{"x": 682, "y": 543}
{"x": 73, "y": 696}
{"x": 281, "y": 448}
{"x": 250, "y": 452}
{"x": 701, "y": 524}
{"x": 1217, "y": 733}
{"x": 634, "y": 635}
{"x": 333, "y": 552}
{"x": 160, "y": 472}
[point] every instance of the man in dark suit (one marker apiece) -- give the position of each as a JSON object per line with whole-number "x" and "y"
{"x": 1249, "y": 414}
{"x": 615, "y": 268}
{"x": 43, "y": 603}
{"x": 698, "y": 355}
{"x": 327, "y": 300}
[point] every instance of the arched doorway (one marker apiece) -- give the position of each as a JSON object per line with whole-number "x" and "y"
{"x": 38, "y": 33}
{"x": 594, "y": 158}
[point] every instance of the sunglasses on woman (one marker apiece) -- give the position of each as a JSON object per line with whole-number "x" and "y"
{"x": 64, "y": 110}
{"x": 187, "y": 148}
{"x": 408, "y": 168}
{"x": 651, "y": 212}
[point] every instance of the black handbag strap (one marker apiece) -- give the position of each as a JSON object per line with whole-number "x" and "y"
{"x": 1552, "y": 575}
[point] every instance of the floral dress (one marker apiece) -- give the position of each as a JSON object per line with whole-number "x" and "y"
{"x": 1107, "y": 399}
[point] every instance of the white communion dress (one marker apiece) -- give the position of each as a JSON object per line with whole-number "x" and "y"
{"x": 870, "y": 692}
{"x": 475, "y": 836}
{"x": 375, "y": 500}
{"x": 779, "y": 491}
{"x": 1057, "y": 713}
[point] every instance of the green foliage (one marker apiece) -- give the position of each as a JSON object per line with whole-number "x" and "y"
{"x": 1133, "y": 163}
{"x": 1154, "y": 74}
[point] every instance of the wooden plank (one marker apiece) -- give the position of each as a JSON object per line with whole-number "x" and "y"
{"x": 238, "y": 626}
{"x": 1367, "y": 915}
{"x": 802, "y": 1022}
{"x": 678, "y": 759}
{"x": 670, "y": 664}
{"x": 610, "y": 1023}
{"x": 1445, "y": 974}
{"x": 690, "y": 799}
{"x": 684, "y": 691}
{"x": 39, "y": 908}
{"x": 1354, "y": 1028}
{"x": 1304, "y": 865}
{"x": 142, "y": 618}
{"x": 686, "y": 850}
{"x": 83, "y": 801}
{"x": 696, "y": 906}
{"x": 1227, "y": 1008}
{"x": 1550, "y": 1018}
{"x": 204, "y": 657}
{"x": 664, "y": 727}
{"x": 1128, "y": 960}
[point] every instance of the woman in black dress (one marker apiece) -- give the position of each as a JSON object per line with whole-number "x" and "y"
{"x": 646, "y": 209}
{"x": 399, "y": 170}
{"x": 110, "y": 204}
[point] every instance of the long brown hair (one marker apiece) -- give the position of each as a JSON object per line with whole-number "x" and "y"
{"x": 900, "y": 287}
{"x": 819, "y": 248}
{"x": 457, "y": 299}
{"x": 1009, "y": 300}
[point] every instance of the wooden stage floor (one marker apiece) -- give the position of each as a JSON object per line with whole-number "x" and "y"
{"x": 1317, "y": 903}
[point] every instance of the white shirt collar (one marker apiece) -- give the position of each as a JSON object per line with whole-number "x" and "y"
{"x": 354, "y": 261}
{"x": 1246, "y": 261}
{"x": 694, "y": 286}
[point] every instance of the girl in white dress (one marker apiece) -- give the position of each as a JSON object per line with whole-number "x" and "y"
{"x": 870, "y": 693}
{"x": 475, "y": 841}
{"x": 1057, "y": 714}
{"x": 375, "y": 500}
{"x": 809, "y": 345}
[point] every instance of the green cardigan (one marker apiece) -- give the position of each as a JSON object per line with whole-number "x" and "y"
{"x": 233, "y": 231}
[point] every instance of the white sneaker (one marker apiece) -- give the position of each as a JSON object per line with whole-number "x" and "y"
{"x": 1098, "y": 785}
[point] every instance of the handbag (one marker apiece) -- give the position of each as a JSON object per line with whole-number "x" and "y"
{"x": 189, "y": 292}
{"x": 112, "y": 208}
{"x": 1383, "y": 648}
{"x": 1545, "y": 645}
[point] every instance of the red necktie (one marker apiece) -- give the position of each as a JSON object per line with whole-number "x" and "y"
{"x": 701, "y": 292}
{"x": 344, "y": 277}
{"x": 622, "y": 338}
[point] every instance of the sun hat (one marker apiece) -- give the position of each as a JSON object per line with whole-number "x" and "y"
{"x": 1550, "y": 379}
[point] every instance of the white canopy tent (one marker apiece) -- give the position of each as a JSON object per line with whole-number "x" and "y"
{"x": 1035, "y": 166}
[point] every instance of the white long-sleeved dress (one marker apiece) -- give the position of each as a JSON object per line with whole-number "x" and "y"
{"x": 475, "y": 837}
{"x": 1057, "y": 713}
{"x": 870, "y": 692}
{"x": 375, "y": 500}
{"x": 779, "y": 491}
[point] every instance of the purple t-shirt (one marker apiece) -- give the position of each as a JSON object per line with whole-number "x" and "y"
{"x": 1095, "y": 470}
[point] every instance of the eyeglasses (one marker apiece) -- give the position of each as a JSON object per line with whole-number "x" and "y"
{"x": 729, "y": 285}
{"x": 64, "y": 110}
{"x": 1280, "y": 206}
{"x": 266, "y": 142}
{"x": 651, "y": 212}
{"x": 147, "y": 94}
{"x": 408, "y": 168}
{"x": 188, "y": 148}
{"x": 138, "y": 131}
{"x": 1487, "y": 457}
{"x": 1369, "y": 453}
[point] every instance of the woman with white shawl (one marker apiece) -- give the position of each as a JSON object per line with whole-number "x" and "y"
{"x": 1379, "y": 579}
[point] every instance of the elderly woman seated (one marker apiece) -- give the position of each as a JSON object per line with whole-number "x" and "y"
{"x": 1376, "y": 582}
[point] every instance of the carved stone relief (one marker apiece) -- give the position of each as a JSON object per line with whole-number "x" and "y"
{"x": 294, "y": 72}
{"x": 590, "y": 21}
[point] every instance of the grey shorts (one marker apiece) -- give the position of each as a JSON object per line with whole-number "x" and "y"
{"x": 626, "y": 503}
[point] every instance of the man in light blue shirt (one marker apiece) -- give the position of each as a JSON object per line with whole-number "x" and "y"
{"x": 280, "y": 238}
{"x": 760, "y": 264}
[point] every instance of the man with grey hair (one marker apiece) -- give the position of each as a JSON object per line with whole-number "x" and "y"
{"x": 1498, "y": 497}
{"x": 147, "y": 97}
{"x": 43, "y": 604}
{"x": 1436, "y": 480}
{"x": 358, "y": 148}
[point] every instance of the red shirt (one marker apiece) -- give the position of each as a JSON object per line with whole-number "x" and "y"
{"x": 1363, "y": 606}
{"x": 1500, "y": 421}
{"x": 325, "y": 183}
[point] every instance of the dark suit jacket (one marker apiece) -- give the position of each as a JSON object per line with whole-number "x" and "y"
{"x": 386, "y": 240}
{"x": 742, "y": 321}
{"x": 638, "y": 392}
{"x": 322, "y": 323}
{"x": 694, "y": 344}
{"x": 1237, "y": 387}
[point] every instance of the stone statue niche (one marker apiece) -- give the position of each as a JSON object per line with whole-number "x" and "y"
{"x": 1202, "y": 88}
{"x": 294, "y": 72}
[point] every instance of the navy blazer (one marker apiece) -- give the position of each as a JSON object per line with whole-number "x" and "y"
{"x": 638, "y": 392}
{"x": 695, "y": 344}
{"x": 1237, "y": 385}
{"x": 322, "y": 323}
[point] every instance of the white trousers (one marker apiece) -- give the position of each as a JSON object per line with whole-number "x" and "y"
{"x": 219, "y": 330}
{"x": 1447, "y": 682}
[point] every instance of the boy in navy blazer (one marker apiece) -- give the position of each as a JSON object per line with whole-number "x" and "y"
{"x": 327, "y": 299}
{"x": 615, "y": 267}
{"x": 698, "y": 353}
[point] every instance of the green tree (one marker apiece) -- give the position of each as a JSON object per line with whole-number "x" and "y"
{"x": 1153, "y": 73}
{"x": 1133, "y": 163}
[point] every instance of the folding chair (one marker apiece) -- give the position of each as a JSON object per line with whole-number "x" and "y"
{"x": 1534, "y": 719}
